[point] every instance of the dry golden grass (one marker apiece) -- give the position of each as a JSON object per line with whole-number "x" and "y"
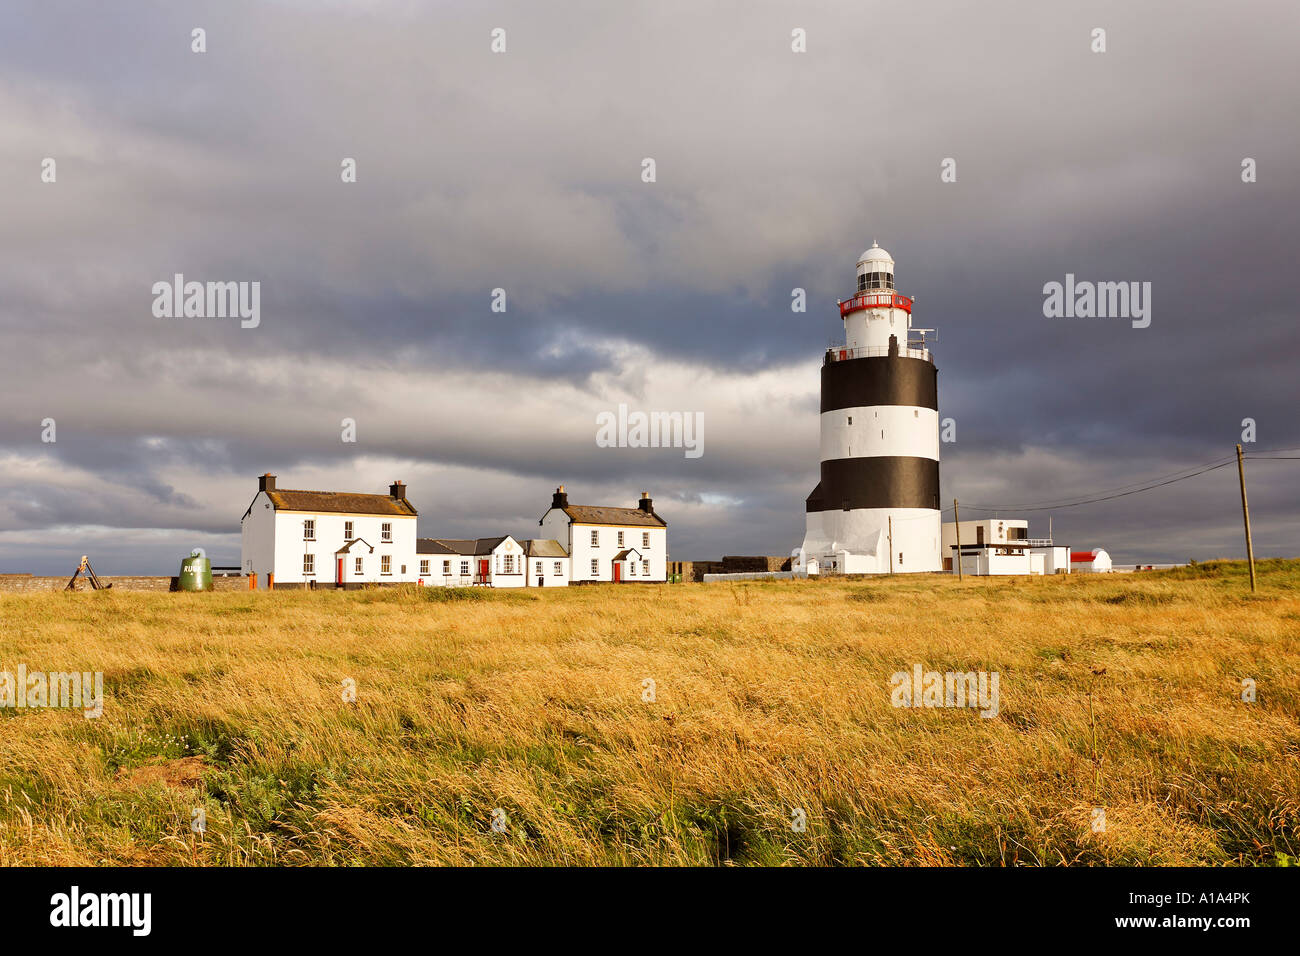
{"x": 770, "y": 696}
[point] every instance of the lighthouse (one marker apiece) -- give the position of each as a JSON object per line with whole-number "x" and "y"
{"x": 876, "y": 508}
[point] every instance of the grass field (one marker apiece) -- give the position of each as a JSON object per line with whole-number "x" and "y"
{"x": 1121, "y": 692}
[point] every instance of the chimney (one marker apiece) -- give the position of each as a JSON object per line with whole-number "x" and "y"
{"x": 560, "y": 499}
{"x": 266, "y": 482}
{"x": 397, "y": 490}
{"x": 646, "y": 504}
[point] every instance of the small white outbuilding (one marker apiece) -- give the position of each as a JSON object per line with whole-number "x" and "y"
{"x": 1094, "y": 561}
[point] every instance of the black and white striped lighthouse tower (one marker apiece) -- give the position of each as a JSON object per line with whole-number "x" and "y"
{"x": 876, "y": 507}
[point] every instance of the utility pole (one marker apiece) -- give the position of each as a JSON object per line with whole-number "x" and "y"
{"x": 1245, "y": 514}
{"x": 956, "y": 520}
{"x": 891, "y": 544}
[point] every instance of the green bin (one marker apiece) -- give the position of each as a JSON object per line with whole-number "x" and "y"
{"x": 196, "y": 572}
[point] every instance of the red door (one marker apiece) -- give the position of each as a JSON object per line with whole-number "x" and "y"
{"x": 338, "y": 573}
{"x": 483, "y": 572}
{"x": 617, "y": 575}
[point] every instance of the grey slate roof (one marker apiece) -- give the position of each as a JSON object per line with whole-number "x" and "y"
{"x": 544, "y": 548}
{"x": 458, "y": 546}
{"x": 599, "y": 514}
{"x": 344, "y": 502}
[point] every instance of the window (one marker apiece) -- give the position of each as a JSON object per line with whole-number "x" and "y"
{"x": 309, "y": 530}
{"x": 424, "y": 567}
{"x": 446, "y": 567}
{"x": 507, "y": 564}
{"x": 645, "y": 567}
{"x": 645, "y": 539}
{"x": 850, "y": 419}
{"x": 875, "y": 280}
{"x": 559, "y": 569}
{"x": 386, "y": 531}
{"x": 595, "y": 538}
{"x": 539, "y": 568}
{"x": 386, "y": 564}
{"x": 631, "y": 569}
{"x": 358, "y": 566}
{"x": 900, "y": 559}
{"x": 620, "y": 539}
{"x": 595, "y": 566}
{"x": 464, "y": 567}
{"x": 309, "y": 564}
{"x": 347, "y": 531}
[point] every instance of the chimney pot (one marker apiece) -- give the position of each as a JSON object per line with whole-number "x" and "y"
{"x": 266, "y": 482}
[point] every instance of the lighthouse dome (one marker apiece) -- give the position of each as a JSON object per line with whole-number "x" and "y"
{"x": 875, "y": 269}
{"x": 875, "y": 259}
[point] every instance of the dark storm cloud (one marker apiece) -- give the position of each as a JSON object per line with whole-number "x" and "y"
{"x": 522, "y": 172}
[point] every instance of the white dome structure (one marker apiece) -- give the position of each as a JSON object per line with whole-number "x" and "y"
{"x": 875, "y": 259}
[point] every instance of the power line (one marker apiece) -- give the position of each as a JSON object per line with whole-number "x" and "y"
{"x": 1131, "y": 484}
{"x": 1122, "y": 491}
{"x": 1093, "y": 500}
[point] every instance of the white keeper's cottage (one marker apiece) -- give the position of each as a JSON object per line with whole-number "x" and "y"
{"x": 328, "y": 538}
{"x": 604, "y": 543}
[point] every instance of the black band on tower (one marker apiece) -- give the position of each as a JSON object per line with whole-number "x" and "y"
{"x": 880, "y": 380}
{"x": 880, "y": 482}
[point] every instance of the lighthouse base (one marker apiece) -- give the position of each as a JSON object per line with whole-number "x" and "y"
{"x": 870, "y": 541}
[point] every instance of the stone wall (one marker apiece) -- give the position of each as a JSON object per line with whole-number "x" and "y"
{"x": 738, "y": 564}
{"x": 730, "y": 564}
{"x": 125, "y": 582}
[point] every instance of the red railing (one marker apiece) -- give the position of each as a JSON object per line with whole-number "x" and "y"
{"x": 876, "y": 300}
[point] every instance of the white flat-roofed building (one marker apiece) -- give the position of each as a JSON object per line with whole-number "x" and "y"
{"x": 1001, "y": 546}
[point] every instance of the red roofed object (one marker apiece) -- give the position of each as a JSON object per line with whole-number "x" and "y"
{"x": 1082, "y": 556}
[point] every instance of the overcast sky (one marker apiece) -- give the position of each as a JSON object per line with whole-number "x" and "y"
{"x": 523, "y": 170}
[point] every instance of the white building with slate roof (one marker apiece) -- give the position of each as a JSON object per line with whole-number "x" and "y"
{"x": 623, "y": 545}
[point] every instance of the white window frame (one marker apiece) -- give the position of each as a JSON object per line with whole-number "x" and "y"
{"x": 309, "y": 529}
{"x": 645, "y": 569}
{"x": 424, "y": 566}
{"x": 559, "y": 569}
{"x": 358, "y": 564}
{"x": 595, "y": 568}
{"x": 347, "y": 531}
{"x": 645, "y": 539}
{"x": 309, "y": 565}
{"x": 386, "y": 531}
{"x": 446, "y": 567}
{"x": 386, "y": 564}
{"x": 620, "y": 539}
